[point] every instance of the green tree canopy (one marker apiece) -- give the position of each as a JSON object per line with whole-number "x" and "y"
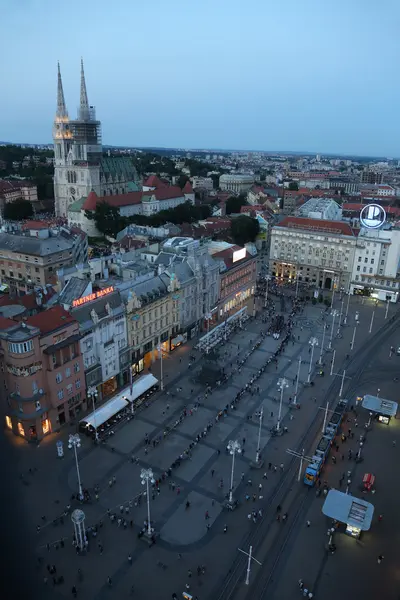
{"x": 244, "y": 229}
{"x": 235, "y": 203}
{"x": 293, "y": 185}
{"x": 18, "y": 210}
{"x": 107, "y": 218}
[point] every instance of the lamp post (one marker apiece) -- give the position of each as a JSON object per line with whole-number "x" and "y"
{"x": 233, "y": 447}
{"x": 354, "y": 336}
{"x": 93, "y": 393}
{"x": 74, "y": 441}
{"x": 297, "y": 382}
{"x": 322, "y": 345}
{"x": 333, "y": 361}
{"x": 372, "y": 320}
{"x": 340, "y": 316}
{"x": 325, "y": 417}
{"x": 387, "y": 309}
{"x": 342, "y": 384}
{"x": 160, "y": 352}
{"x": 333, "y": 296}
{"x": 267, "y": 277}
{"x": 297, "y": 283}
{"x": 347, "y": 307}
{"x": 208, "y": 317}
{"x": 313, "y": 342}
{"x": 282, "y": 385}
{"x": 147, "y": 477}
{"x": 334, "y": 314}
{"x": 259, "y": 434}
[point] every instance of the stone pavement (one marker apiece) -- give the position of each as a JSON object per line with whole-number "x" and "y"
{"x": 181, "y": 531}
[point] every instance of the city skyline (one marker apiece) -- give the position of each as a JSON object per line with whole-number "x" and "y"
{"x": 181, "y": 84}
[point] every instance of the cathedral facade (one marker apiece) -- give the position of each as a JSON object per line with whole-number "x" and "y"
{"x": 80, "y": 166}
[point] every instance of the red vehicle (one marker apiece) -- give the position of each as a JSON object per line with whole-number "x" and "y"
{"x": 368, "y": 483}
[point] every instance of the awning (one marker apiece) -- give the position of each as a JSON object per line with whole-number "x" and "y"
{"x": 105, "y": 412}
{"x": 177, "y": 340}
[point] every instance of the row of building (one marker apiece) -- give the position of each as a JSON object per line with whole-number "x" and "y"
{"x": 96, "y": 324}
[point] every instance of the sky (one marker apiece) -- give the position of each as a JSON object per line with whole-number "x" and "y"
{"x": 213, "y": 74}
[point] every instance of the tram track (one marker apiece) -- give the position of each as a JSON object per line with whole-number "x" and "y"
{"x": 260, "y": 539}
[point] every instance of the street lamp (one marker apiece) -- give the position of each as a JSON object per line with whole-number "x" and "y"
{"x": 259, "y": 434}
{"x": 297, "y": 382}
{"x": 93, "y": 393}
{"x": 334, "y": 314}
{"x": 354, "y": 336}
{"x": 347, "y": 307}
{"x": 233, "y": 447}
{"x": 160, "y": 352}
{"x": 313, "y": 342}
{"x": 146, "y": 477}
{"x": 372, "y": 320}
{"x": 267, "y": 278}
{"x": 322, "y": 345}
{"x": 74, "y": 441}
{"x": 340, "y": 316}
{"x": 282, "y": 385}
{"x": 208, "y": 316}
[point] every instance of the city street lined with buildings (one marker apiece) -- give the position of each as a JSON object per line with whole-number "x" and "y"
{"x": 198, "y": 479}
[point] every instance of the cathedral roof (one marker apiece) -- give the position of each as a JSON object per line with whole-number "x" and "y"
{"x": 155, "y": 182}
{"x": 118, "y": 165}
{"x": 91, "y": 201}
{"x": 187, "y": 189}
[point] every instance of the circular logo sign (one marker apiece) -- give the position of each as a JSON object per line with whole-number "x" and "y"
{"x": 372, "y": 216}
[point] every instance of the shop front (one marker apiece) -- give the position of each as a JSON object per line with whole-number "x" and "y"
{"x": 109, "y": 387}
{"x": 383, "y": 409}
{"x": 178, "y": 340}
{"x": 32, "y": 430}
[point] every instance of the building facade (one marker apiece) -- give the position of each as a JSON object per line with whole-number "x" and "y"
{"x": 321, "y": 208}
{"x": 42, "y": 371}
{"x": 318, "y": 253}
{"x": 152, "y": 309}
{"x": 376, "y": 264}
{"x": 238, "y": 183}
{"x": 79, "y": 164}
{"x": 32, "y": 259}
{"x": 104, "y": 341}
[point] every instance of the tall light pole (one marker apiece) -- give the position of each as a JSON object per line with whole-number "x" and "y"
{"x": 160, "y": 352}
{"x": 387, "y": 309}
{"x": 208, "y": 317}
{"x": 325, "y": 417}
{"x": 322, "y": 346}
{"x": 333, "y": 361}
{"x": 340, "y": 316}
{"x": 354, "y": 336}
{"x": 333, "y": 295}
{"x": 282, "y": 385}
{"x": 372, "y": 320}
{"x": 297, "y": 382}
{"x": 313, "y": 342}
{"x": 74, "y": 441}
{"x": 93, "y": 393}
{"x": 342, "y": 384}
{"x": 233, "y": 447}
{"x": 147, "y": 477}
{"x": 259, "y": 434}
{"x": 297, "y": 283}
{"x": 267, "y": 277}
{"x": 250, "y": 557}
{"x": 347, "y": 307}
{"x": 334, "y": 314}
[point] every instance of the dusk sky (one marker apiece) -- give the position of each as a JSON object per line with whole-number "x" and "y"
{"x": 255, "y": 75}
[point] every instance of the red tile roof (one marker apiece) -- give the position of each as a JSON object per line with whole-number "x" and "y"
{"x": 335, "y": 227}
{"x": 353, "y": 207}
{"x": 6, "y": 323}
{"x": 227, "y": 256}
{"x": 91, "y": 201}
{"x": 187, "y": 188}
{"x": 154, "y": 181}
{"x": 27, "y": 300}
{"x": 50, "y": 320}
{"x": 164, "y": 193}
{"x": 35, "y": 225}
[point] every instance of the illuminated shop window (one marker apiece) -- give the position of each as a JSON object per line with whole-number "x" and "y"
{"x": 8, "y": 423}
{"x": 46, "y": 426}
{"x": 21, "y": 429}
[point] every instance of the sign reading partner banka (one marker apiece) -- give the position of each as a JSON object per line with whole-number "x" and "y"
{"x": 94, "y": 296}
{"x": 372, "y": 216}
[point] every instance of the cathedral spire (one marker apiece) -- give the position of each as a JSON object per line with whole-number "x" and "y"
{"x": 61, "y": 107}
{"x": 84, "y": 103}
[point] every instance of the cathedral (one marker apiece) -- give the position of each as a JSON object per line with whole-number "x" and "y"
{"x": 80, "y": 166}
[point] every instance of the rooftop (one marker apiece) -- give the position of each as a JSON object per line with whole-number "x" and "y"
{"x": 33, "y": 246}
{"x": 332, "y": 227}
{"x": 50, "y": 320}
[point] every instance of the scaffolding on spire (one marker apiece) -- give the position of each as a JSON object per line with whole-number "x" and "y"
{"x": 84, "y": 112}
{"x": 62, "y": 112}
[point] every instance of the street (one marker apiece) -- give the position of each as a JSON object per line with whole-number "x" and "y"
{"x": 288, "y": 551}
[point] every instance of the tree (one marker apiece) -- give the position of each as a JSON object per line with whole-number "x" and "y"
{"x": 107, "y": 218}
{"x": 235, "y": 203}
{"x": 244, "y": 229}
{"x": 293, "y": 185}
{"x": 182, "y": 179}
{"x": 18, "y": 210}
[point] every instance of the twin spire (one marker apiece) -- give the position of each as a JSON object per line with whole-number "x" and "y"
{"x": 62, "y": 112}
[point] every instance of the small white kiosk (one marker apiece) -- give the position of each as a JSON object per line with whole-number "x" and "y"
{"x": 355, "y": 513}
{"x": 384, "y": 409}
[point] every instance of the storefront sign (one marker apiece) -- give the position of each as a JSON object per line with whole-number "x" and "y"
{"x": 372, "y": 216}
{"x": 239, "y": 255}
{"x": 91, "y": 297}
{"x": 24, "y": 371}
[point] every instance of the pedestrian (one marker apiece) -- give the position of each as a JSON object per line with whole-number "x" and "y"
{"x": 109, "y": 581}
{"x": 380, "y": 518}
{"x": 129, "y": 559}
{"x": 301, "y": 584}
{"x": 225, "y": 528}
{"x": 281, "y": 466}
{"x": 208, "y": 526}
{"x": 212, "y": 472}
{"x": 394, "y": 443}
{"x": 265, "y": 476}
{"x": 74, "y": 591}
{"x": 380, "y": 558}
{"x": 189, "y": 573}
{"x": 308, "y": 523}
{"x": 206, "y": 516}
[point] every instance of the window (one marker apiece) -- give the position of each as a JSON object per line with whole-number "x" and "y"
{"x": 60, "y": 394}
{"x": 78, "y": 384}
{"x": 35, "y": 387}
{"x": 68, "y": 372}
{"x": 20, "y": 348}
{"x": 365, "y": 260}
{"x": 76, "y": 368}
{"x": 69, "y": 389}
{"x": 372, "y": 261}
{"x": 371, "y": 270}
{"x": 382, "y": 262}
{"x": 364, "y": 269}
{"x": 58, "y": 378}
{"x": 37, "y": 405}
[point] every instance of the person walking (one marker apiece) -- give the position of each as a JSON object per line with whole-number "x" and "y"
{"x": 380, "y": 558}
{"x": 74, "y": 591}
{"x": 380, "y": 518}
{"x": 308, "y": 523}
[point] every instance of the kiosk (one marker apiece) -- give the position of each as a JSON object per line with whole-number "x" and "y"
{"x": 384, "y": 409}
{"x": 356, "y": 514}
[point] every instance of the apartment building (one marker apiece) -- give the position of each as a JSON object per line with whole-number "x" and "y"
{"x": 41, "y": 367}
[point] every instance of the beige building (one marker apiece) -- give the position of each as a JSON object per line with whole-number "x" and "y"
{"x": 152, "y": 308}
{"x": 320, "y": 253}
{"x": 236, "y": 182}
{"x": 32, "y": 259}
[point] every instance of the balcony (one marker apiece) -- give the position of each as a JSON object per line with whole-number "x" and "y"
{"x": 17, "y": 396}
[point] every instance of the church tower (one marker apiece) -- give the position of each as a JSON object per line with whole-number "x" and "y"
{"x": 77, "y": 150}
